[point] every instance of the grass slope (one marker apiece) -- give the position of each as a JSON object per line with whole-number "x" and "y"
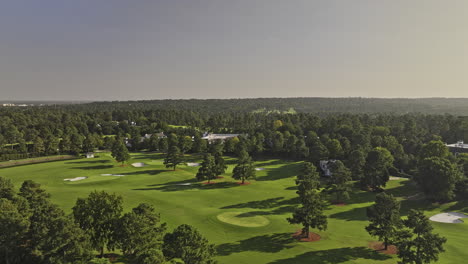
{"x": 271, "y": 197}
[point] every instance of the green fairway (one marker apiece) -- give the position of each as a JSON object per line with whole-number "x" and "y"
{"x": 246, "y": 222}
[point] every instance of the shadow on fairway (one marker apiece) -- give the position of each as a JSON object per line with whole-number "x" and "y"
{"x": 149, "y": 172}
{"x": 282, "y": 172}
{"x": 337, "y": 255}
{"x": 96, "y": 167}
{"x": 265, "y": 204}
{"x": 187, "y": 185}
{"x": 154, "y": 156}
{"x": 461, "y": 206}
{"x": 407, "y": 188}
{"x": 266, "y": 243}
{"x": 263, "y": 162}
{"x": 278, "y": 211}
{"x": 87, "y": 161}
{"x": 355, "y": 214}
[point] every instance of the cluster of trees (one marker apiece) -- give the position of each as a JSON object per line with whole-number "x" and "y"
{"x": 34, "y": 230}
{"x": 413, "y": 236}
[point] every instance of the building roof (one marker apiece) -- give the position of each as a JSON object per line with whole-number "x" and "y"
{"x": 459, "y": 144}
{"x": 219, "y": 136}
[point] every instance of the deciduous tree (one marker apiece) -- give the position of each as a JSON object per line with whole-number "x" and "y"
{"x": 438, "y": 177}
{"x": 186, "y": 243}
{"x": 98, "y": 215}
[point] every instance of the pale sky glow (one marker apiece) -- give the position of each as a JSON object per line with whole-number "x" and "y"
{"x": 153, "y": 49}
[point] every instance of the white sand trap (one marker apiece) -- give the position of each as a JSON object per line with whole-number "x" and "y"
{"x": 393, "y": 178}
{"x": 184, "y": 184}
{"x": 193, "y": 164}
{"x": 138, "y": 164}
{"x": 75, "y": 179}
{"x": 454, "y": 218}
{"x": 259, "y": 169}
{"x": 118, "y": 175}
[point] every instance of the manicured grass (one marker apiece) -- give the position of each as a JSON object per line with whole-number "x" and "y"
{"x": 249, "y": 219}
{"x": 181, "y": 199}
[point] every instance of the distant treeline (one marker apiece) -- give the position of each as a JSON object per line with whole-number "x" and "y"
{"x": 455, "y": 106}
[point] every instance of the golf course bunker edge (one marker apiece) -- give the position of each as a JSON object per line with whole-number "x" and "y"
{"x": 451, "y": 217}
{"x": 244, "y": 219}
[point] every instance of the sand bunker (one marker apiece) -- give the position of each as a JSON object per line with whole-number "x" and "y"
{"x": 193, "y": 164}
{"x": 118, "y": 175}
{"x": 249, "y": 219}
{"x": 138, "y": 164}
{"x": 75, "y": 179}
{"x": 259, "y": 169}
{"x": 393, "y": 178}
{"x": 453, "y": 218}
{"x": 184, "y": 184}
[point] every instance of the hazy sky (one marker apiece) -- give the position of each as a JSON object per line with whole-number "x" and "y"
{"x": 152, "y": 49}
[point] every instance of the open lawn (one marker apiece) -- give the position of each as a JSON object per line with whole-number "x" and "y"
{"x": 248, "y": 223}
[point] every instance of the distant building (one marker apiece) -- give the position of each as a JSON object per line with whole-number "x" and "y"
{"x": 90, "y": 155}
{"x": 459, "y": 147}
{"x": 148, "y": 136}
{"x": 325, "y": 167}
{"x": 222, "y": 137}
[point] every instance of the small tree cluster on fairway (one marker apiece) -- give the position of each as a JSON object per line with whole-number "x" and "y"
{"x": 187, "y": 244}
{"x": 173, "y": 157}
{"x": 310, "y": 214}
{"x": 97, "y": 214}
{"x": 339, "y": 181}
{"x": 384, "y": 217}
{"x": 244, "y": 168}
{"x": 207, "y": 171}
{"x": 120, "y": 152}
{"x": 417, "y": 244}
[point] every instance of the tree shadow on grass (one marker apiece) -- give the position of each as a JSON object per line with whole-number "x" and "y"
{"x": 407, "y": 188}
{"x": 286, "y": 171}
{"x": 96, "y": 167}
{"x": 187, "y": 185}
{"x": 355, "y": 214}
{"x": 265, "y": 204}
{"x": 149, "y": 172}
{"x": 266, "y": 243}
{"x": 154, "y": 156}
{"x": 337, "y": 255}
{"x": 461, "y": 206}
{"x": 277, "y": 211}
{"x": 87, "y": 162}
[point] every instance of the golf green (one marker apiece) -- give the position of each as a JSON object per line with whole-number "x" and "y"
{"x": 245, "y": 219}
